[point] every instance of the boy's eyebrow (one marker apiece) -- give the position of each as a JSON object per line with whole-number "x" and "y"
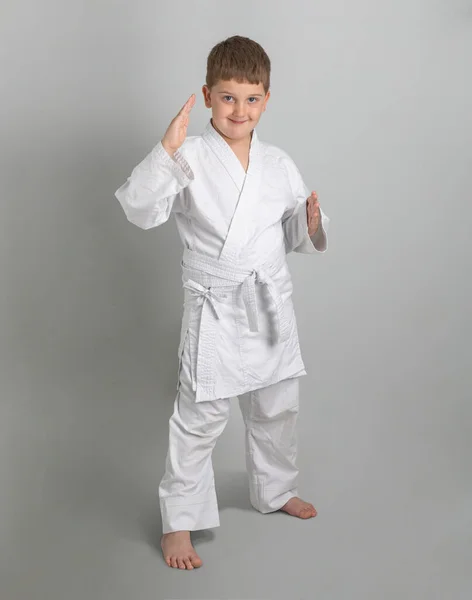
{"x": 249, "y": 96}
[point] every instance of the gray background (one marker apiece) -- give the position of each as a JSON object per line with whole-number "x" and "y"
{"x": 372, "y": 99}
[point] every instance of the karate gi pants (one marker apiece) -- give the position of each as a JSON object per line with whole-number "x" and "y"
{"x": 187, "y": 494}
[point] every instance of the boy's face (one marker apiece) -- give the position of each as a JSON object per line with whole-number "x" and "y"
{"x": 236, "y": 107}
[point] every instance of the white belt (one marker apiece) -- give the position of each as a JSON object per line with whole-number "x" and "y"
{"x": 203, "y": 274}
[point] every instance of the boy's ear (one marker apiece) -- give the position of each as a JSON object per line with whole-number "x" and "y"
{"x": 266, "y": 99}
{"x": 206, "y": 96}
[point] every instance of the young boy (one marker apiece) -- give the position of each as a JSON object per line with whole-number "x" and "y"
{"x": 240, "y": 206}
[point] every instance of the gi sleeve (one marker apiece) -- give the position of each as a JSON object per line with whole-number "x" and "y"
{"x": 294, "y": 220}
{"x": 149, "y": 194}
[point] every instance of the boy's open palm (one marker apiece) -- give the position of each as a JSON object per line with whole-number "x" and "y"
{"x": 177, "y": 131}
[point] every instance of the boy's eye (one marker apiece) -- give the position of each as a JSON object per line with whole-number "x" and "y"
{"x": 229, "y": 98}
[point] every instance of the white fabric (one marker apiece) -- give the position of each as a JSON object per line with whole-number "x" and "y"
{"x": 238, "y": 320}
{"x": 187, "y": 495}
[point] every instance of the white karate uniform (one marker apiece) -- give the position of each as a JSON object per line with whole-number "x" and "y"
{"x": 239, "y": 333}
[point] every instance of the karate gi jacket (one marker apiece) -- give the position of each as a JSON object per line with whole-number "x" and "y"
{"x": 238, "y": 323}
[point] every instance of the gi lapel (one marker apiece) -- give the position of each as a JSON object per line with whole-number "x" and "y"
{"x": 247, "y": 184}
{"x": 237, "y": 236}
{"x": 225, "y": 155}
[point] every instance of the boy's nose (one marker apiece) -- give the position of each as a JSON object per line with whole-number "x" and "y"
{"x": 239, "y": 111}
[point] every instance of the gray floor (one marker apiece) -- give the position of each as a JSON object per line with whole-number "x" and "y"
{"x": 81, "y": 459}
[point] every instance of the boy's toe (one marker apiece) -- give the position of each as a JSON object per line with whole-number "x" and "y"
{"x": 196, "y": 561}
{"x": 188, "y": 564}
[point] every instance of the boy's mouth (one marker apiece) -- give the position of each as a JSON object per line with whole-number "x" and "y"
{"x": 237, "y": 122}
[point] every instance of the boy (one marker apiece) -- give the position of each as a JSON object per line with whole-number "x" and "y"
{"x": 240, "y": 206}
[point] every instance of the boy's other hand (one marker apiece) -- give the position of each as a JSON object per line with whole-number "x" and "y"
{"x": 313, "y": 213}
{"x": 176, "y": 133}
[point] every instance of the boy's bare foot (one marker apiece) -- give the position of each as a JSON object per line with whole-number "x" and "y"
{"x": 298, "y": 508}
{"x": 178, "y": 550}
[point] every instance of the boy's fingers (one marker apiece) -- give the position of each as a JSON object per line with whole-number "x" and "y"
{"x": 186, "y": 108}
{"x": 191, "y": 102}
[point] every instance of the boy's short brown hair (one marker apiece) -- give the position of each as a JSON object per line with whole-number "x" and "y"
{"x": 238, "y": 58}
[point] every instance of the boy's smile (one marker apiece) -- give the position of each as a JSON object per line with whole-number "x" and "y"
{"x": 236, "y": 108}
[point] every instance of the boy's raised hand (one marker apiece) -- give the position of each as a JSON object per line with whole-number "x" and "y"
{"x": 176, "y": 133}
